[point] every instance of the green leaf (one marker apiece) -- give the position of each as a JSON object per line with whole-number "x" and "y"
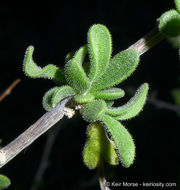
{"x": 83, "y": 98}
{"x": 92, "y": 111}
{"x": 177, "y": 3}
{"x": 169, "y": 24}
{"x": 122, "y": 140}
{"x": 55, "y": 95}
{"x": 97, "y": 146}
{"x": 91, "y": 152}
{"x": 100, "y": 47}
{"x": 121, "y": 66}
{"x": 174, "y": 41}
{"x": 4, "y": 182}
{"x": 74, "y": 72}
{"x": 109, "y": 94}
{"x": 133, "y": 106}
{"x": 32, "y": 70}
{"x": 69, "y": 56}
{"x": 109, "y": 103}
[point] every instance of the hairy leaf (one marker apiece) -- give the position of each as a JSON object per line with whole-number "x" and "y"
{"x": 97, "y": 146}
{"x": 169, "y": 23}
{"x": 69, "y": 56}
{"x": 99, "y": 43}
{"x": 74, "y": 72}
{"x": 32, "y": 70}
{"x": 55, "y": 95}
{"x": 121, "y": 66}
{"x": 4, "y": 182}
{"x": 109, "y": 103}
{"x": 177, "y": 3}
{"x": 133, "y": 106}
{"x": 83, "y": 98}
{"x": 109, "y": 94}
{"x": 122, "y": 139}
{"x": 92, "y": 111}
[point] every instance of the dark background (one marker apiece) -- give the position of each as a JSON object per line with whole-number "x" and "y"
{"x": 55, "y": 28}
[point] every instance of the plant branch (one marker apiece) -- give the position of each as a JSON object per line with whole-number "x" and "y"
{"x": 148, "y": 41}
{"x": 32, "y": 133}
{"x": 101, "y": 176}
{"x": 9, "y": 89}
{"x": 163, "y": 105}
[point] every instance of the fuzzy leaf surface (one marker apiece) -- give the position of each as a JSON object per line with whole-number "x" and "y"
{"x": 120, "y": 67}
{"x": 133, "y": 106}
{"x": 4, "y": 182}
{"x": 169, "y": 23}
{"x": 74, "y": 72}
{"x": 122, "y": 140}
{"x": 92, "y": 111}
{"x": 69, "y": 56}
{"x": 109, "y": 103}
{"x": 100, "y": 47}
{"x": 177, "y": 3}
{"x": 98, "y": 145}
{"x": 55, "y": 95}
{"x": 83, "y": 98}
{"x": 32, "y": 70}
{"x": 109, "y": 94}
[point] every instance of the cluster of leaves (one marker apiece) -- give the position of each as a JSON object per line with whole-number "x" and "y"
{"x": 91, "y": 86}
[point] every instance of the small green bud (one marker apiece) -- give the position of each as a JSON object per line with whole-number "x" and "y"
{"x": 169, "y": 24}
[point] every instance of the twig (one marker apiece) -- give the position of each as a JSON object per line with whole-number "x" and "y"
{"x": 164, "y": 105}
{"x": 32, "y": 133}
{"x": 101, "y": 176}
{"x": 51, "y": 136}
{"x": 100, "y": 171}
{"x": 148, "y": 41}
{"x": 9, "y": 89}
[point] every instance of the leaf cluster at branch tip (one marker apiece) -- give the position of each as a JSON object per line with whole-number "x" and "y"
{"x": 91, "y": 84}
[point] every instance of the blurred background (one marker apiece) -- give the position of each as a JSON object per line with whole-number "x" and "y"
{"x": 56, "y": 28}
